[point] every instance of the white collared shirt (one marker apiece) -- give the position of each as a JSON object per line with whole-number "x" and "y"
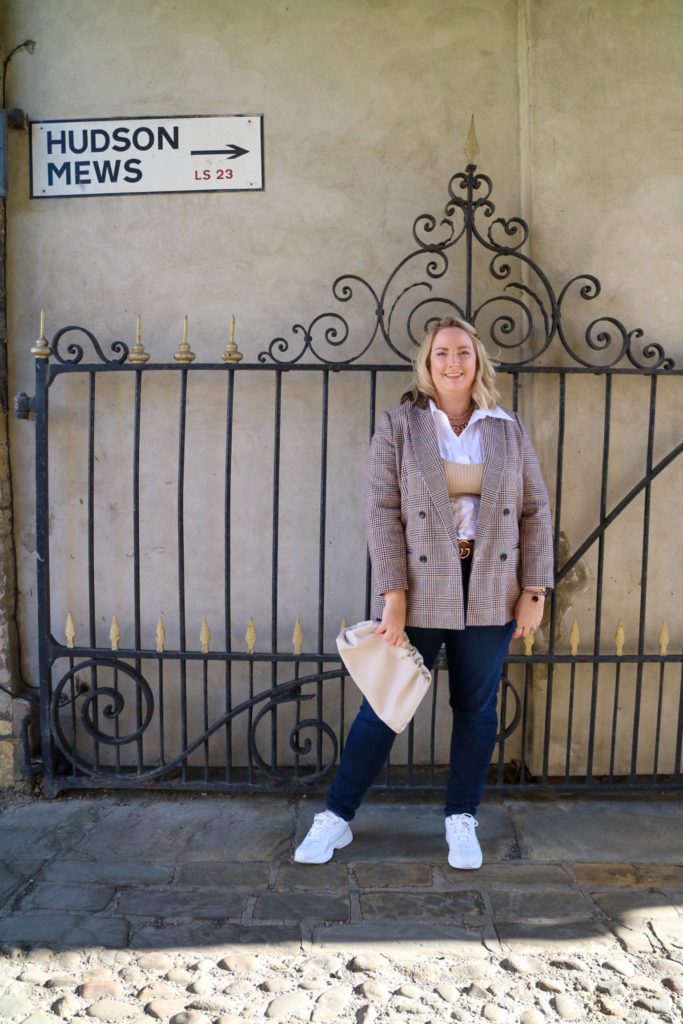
{"x": 466, "y": 448}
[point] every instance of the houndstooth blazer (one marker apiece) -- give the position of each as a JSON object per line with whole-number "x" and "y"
{"x": 413, "y": 543}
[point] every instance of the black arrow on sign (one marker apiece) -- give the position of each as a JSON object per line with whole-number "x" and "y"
{"x": 230, "y": 151}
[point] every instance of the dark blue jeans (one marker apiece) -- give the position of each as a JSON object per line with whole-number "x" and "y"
{"x": 475, "y": 658}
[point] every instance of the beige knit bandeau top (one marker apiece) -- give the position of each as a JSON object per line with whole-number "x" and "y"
{"x": 463, "y": 478}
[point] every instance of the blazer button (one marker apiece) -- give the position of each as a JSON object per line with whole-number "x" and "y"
{"x": 422, "y": 515}
{"x": 503, "y": 557}
{"x": 423, "y": 558}
{"x": 506, "y": 511}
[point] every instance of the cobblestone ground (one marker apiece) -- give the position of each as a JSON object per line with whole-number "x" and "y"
{"x": 192, "y": 912}
{"x": 43, "y": 986}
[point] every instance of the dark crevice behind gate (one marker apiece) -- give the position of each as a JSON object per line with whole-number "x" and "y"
{"x": 200, "y": 537}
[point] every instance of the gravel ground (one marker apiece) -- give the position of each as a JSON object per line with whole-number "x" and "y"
{"x": 40, "y": 986}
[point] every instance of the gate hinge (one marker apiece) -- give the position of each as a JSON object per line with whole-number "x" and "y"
{"x": 23, "y": 406}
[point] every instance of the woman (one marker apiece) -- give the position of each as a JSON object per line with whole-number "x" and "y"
{"x": 459, "y": 533}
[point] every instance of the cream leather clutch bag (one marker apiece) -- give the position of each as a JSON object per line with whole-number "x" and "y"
{"x": 393, "y": 679}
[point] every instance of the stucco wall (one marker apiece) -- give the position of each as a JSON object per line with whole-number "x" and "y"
{"x": 366, "y": 107}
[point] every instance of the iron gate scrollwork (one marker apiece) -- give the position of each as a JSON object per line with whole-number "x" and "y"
{"x": 149, "y": 709}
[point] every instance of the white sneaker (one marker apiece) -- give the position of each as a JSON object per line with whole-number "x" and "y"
{"x": 464, "y": 850}
{"x": 327, "y": 834}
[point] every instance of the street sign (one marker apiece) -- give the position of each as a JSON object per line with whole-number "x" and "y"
{"x": 119, "y": 156}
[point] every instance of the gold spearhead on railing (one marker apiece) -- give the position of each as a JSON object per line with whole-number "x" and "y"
{"x": 619, "y": 638}
{"x": 664, "y": 639}
{"x": 298, "y": 637}
{"x": 70, "y": 630}
{"x": 471, "y": 143}
{"x": 205, "y": 636}
{"x": 343, "y": 626}
{"x": 574, "y": 638}
{"x": 114, "y": 634}
{"x": 137, "y": 354}
{"x": 528, "y": 642}
{"x": 250, "y": 637}
{"x": 160, "y": 635}
{"x": 41, "y": 349}
{"x": 232, "y": 354}
{"x": 184, "y": 353}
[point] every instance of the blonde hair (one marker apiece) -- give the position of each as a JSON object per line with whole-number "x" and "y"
{"x": 484, "y": 391}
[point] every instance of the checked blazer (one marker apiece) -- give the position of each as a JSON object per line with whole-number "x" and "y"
{"x": 413, "y": 542}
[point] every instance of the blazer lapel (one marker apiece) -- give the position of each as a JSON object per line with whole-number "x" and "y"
{"x": 426, "y": 448}
{"x": 493, "y": 435}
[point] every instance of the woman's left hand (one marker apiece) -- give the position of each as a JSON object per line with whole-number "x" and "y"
{"x": 528, "y": 614}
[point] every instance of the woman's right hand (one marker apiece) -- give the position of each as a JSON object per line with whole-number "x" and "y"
{"x": 393, "y": 623}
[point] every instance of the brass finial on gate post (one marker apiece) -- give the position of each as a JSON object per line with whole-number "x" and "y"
{"x": 664, "y": 639}
{"x": 70, "y": 630}
{"x": 574, "y": 637}
{"x": 471, "y": 143}
{"x": 619, "y": 638}
{"x": 41, "y": 349}
{"x": 184, "y": 353}
{"x": 232, "y": 354}
{"x": 137, "y": 354}
{"x": 160, "y": 635}
{"x": 250, "y": 637}
{"x": 115, "y": 634}
{"x": 205, "y": 636}
{"x": 298, "y": 637}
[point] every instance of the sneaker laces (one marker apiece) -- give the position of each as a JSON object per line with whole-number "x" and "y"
{"x": 321, "y": 823}
{"x": 461, "y": 826}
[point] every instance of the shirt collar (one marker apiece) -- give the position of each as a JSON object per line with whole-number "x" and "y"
{"x": 497, "y": 413}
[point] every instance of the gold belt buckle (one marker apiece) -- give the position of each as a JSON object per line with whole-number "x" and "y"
{"x": 465, "y": 548}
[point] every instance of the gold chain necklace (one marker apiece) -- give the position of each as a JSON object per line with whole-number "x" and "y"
{"x": 458, "y": 423}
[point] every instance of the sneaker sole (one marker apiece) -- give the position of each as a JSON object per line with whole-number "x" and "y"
{"x": 339, "y": 844}
{"x": 465, "y": 867}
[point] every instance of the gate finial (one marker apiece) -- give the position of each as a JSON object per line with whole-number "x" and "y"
{"x": 664, "y": 639}
{"x": 137, "y": 353}
{"x": 298, "y": 637}
{"x": 250, "y": 637}
{"x": 471, "y": 143}
{"x": 114, "y": 634}
{"x": 205, "y": 636}
{"x": 41, "y": 349}
{"x": 184, "y": 353}
{"x": 232, "y": 353}
{"x": 160, "y": 635}
{"x": 619, "y": 638}
{"x": 574, "y": 637}
{"x": 70, "y": 630}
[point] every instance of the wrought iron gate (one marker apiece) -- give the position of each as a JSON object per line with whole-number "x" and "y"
{"x": 157, "y": 468}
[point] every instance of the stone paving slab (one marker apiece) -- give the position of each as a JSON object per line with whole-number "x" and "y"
{"x": 106, "y": 873}
{"x": 216, "y": 940}
{"x": 254, "y": 875}
{"x": 628, "y": 907}
{"x": 411, "y": 907}
{"x": 509, "y": 873}
{"x": 12, "y": 876}
{"x": 388, "y": 875}
{"x": 650, "y": 875}
{"x": 52, "y": 896}
{"x": 205, "y": 903}
{"x": 328, "y": 877}
{"x": 298, "y": 906}
{"x": 599, "y": 830}
{"x": 588, "y": 937}
{"x": 540, "y": 905}
{"x": 64, "y": 930}
{"x": 212, "y": 830}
